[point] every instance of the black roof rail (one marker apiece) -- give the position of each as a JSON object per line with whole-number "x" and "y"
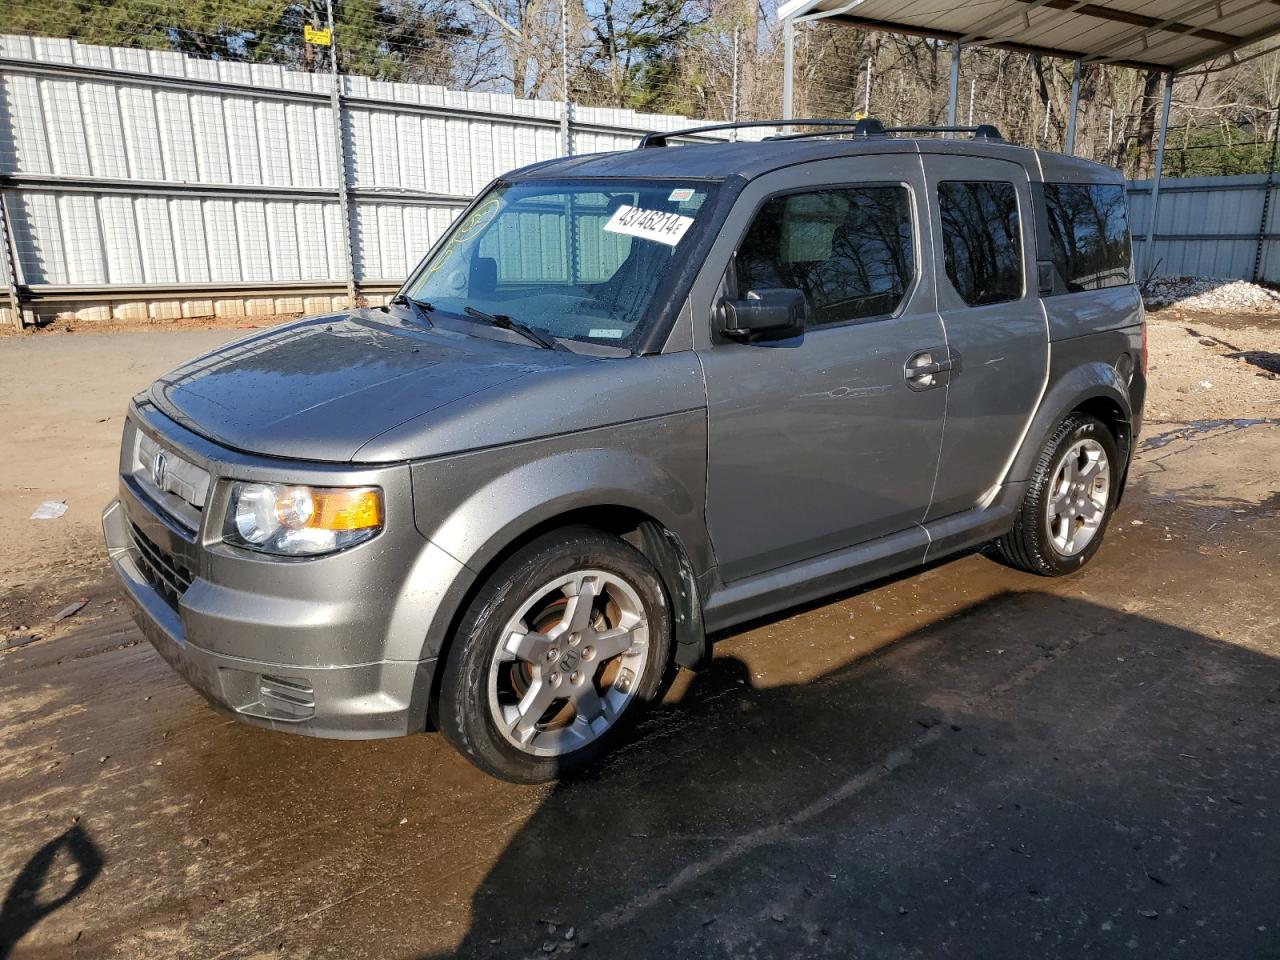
{"x": 656, "y": 139}
{"x": 982, "y": 131}
{"x": 867, "y": 127}
{"x": 873, "y": 128}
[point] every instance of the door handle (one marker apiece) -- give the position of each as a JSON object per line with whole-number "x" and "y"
{"x": 926, "y": 369}
{"x": 921, "y": 370}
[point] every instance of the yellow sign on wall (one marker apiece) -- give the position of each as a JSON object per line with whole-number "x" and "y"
{"x": 320, "y": 37}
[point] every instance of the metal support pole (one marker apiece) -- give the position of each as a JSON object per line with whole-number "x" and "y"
{"x": 566, "y": 109}
{"x": 733, "y": 98}
{"x": 335, "y": 107}
{"x": 1071, "y": 111}
{"x": 10, "y": 263}
{"x": 973, "y": 94}
{"x": 1267, "y": 189}
{"x": 1147, "y": 247}
{"x": 788, "y": 68}
{"x": 953, "y": 88}
{"x": 866, "y": 93}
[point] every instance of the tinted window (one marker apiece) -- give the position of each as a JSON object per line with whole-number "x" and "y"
{"x": 981, "y": 240}
{"x": 849, "y": 251}
{"x": 1089, "y": 235}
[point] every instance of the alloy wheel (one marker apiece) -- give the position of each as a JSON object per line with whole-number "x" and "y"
{"x": 568, "y": 662}
{"x": 1078, "y": 497}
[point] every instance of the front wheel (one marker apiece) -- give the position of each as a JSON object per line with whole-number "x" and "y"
{"x": 1069, "y": 500}
{"x": 566, "y": 641}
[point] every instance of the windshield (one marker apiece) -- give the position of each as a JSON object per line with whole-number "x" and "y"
{"x": 578, "y": 260}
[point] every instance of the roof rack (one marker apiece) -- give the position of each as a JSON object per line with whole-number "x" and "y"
{"x": 656, "y": 139}
{"x": 867, "y": 127}
{"x": 983, "y": 131}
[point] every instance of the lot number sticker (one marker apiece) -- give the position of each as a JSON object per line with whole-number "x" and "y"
{"x": 656, "y": 225}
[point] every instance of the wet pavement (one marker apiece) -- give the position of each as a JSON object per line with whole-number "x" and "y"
{"x": 966, "y": 762}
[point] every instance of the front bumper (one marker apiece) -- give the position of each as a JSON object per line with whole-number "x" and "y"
{"x": 356, "y": 701}
{"x": 343, "y": 645}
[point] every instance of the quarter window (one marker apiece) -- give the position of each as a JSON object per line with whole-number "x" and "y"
{"x": 848, "y": 250}
{"x": 1089, "y": 235}
{"x": 981, "y": 240}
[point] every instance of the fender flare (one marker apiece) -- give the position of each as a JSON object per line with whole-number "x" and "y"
{"x": 1090, "y": 381}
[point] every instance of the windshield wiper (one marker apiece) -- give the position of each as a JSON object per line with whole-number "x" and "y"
{"x": 503, "y": 322}
{"x": 421, "y": 308}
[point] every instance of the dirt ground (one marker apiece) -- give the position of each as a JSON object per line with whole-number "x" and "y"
{"x": 1206, "y": 366}
{"x": 964, "y": 762}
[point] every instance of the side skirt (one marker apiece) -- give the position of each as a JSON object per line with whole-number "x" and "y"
{"x": 960, "y": 531}
{"x": 831, "y": 573}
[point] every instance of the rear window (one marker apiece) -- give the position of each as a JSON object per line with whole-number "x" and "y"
{"x": 981, "y": 240}
{"x": 1089, "y": 235}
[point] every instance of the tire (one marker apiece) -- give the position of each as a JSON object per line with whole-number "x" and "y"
{"x": 1064, "y": 514}
{"x": 572, "y": 613}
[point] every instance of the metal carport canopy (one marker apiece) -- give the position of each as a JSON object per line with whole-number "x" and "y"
{"x": 1165, "y": 35}
{"x": 1148, "y": 34}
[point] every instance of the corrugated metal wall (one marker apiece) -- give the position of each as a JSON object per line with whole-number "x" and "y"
{"x": 1209, "y": 227}
{"x": 133, "y": 175}
{"x": 148, "y": 184}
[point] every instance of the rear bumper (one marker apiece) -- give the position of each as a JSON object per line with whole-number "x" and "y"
{"x": 384, "y": 698}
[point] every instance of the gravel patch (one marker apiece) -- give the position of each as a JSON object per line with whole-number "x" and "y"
{"x": 1209, "y": 295}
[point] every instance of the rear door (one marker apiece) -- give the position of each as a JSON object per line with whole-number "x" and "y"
{"x": 996, "y": 329}
{"x": 824, "y": 440}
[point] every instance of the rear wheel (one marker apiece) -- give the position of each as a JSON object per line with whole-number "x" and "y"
{"x": 1069, "y": 500}
{"x": 567, "y": 640}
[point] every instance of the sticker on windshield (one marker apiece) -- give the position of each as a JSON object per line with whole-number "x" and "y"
{"x": 656, "y": 225}
{"x": 605, "y": 333}
{"x": 681, "y": 194}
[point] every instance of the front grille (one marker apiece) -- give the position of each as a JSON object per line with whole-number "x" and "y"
{"x": 169, "y": 577}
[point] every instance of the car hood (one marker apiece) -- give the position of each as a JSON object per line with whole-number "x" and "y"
{"x": 321, "y": 388}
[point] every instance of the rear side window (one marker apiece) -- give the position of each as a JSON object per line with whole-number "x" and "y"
{"x": 981, "y": 240}
{"x": 848, "y": 250}
{"x": 1089, "y": 235}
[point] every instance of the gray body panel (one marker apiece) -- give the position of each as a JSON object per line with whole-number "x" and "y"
{"x": 569, "y": 398}
{"x": 1002, "y": 351}
{"x": 321, "y": 389}
{"x": 819, "y": 440}
{"x": 474, "y": 506}
{"x": 779, "y": 472}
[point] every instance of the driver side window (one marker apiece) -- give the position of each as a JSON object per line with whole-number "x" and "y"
{"x": 849, "y": 250}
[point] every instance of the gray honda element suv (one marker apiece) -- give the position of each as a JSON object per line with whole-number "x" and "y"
{"x": 627, "y": 400}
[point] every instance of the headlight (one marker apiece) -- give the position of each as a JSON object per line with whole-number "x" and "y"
{"x": 297, "y": 521}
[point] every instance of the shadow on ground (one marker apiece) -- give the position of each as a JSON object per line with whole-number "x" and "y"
{"x": 1267, "y": 362}
{"x": 1034, "y": 776}
{"x": 37, "y": 891}
{"x": 1031, "y": 775}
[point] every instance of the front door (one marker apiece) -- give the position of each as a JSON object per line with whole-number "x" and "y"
{"x": 995, "y": 322}
{"x": 829, "y": 439}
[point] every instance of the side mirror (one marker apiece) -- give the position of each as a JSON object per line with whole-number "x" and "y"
{"x": 773, "y": 313}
